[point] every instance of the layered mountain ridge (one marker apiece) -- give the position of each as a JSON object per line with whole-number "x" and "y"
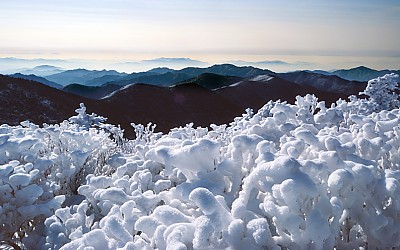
{"x": 169, "y": 98}
{"x": 360, "y": 73}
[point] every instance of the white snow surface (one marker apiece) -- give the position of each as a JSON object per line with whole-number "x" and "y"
{"x": 118, "y": 90}
{"x": 262, "y": 78}
{"x": 301, "y": 176}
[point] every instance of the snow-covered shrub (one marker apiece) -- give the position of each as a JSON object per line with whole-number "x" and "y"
{"x": 145, "y": 135}
{"x": 40, "y": 166}
{"x": 84, "y": 120}
{"x": 381, "y": 91}
{"x": 301, "y": 176}
{"x": 382, "y": 95}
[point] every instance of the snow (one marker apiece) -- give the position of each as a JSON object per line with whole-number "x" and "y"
{"x": 18, "y": 179}
{"x": 262, "y": 78}
{"x": 116, "y": 91}
{"x": 301, "y": 176}
{"x": 229, "y": 86}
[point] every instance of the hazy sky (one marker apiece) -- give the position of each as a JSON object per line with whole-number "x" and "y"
{"x": 325, "y": 33}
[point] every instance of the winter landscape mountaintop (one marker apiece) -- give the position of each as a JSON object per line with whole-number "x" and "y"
{"x": 194, "y": 125}
{"x": 288, "y": 176}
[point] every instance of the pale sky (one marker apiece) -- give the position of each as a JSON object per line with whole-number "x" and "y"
{"x": 325, "y": 33}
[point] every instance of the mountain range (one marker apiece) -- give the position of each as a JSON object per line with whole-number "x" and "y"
{"x": 169, "y": 77}
{"x": 331, "y": 83}
{"x": 84, "y": 77}
{"x": 212, "y": 78}
{"x": 360, "y": 73}
{"x": 36, "y": 78}
{"x": 42, "y": 70}
{"x": 167, "y": 97}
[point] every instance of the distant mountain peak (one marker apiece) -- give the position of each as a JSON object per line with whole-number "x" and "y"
{"x": 227, "y": 65}
{"x": 82, "y": 76}
{"x": 361, "y": 73}
{"x": 19, "y": 74}
{"x": 211, "y": 81}
{"x": 362, "y": 68}
{"x": 46, "y": 66}
{"x": 160, "y": 70}
{"x": 32, "y": 77}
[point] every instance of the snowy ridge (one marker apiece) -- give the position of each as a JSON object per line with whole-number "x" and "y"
{"x": 229, "y": 86}
{"x": 301, "y": 176}
{"x": 262, "y": 78}
{"x": 116, "y": 91}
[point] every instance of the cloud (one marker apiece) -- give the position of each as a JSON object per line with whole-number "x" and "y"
{"x": 10, "y": 65}
{"x": 35, "y": 61}
{"x": 14, "y": 60}
{"x": 260, "y": 63}
{"x": 173, "y": 62}
{"x": 273, "y": 64}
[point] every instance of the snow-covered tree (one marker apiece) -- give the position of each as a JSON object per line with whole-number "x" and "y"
{"x": 42, "y": 167}
{"x": 382, "y": 92}
{"x": 85, "y": 120}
